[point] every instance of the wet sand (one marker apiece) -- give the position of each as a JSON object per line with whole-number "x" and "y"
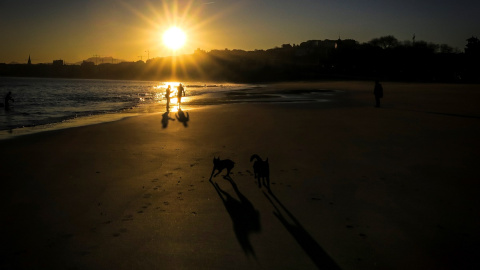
{"x": 352, "y": 186}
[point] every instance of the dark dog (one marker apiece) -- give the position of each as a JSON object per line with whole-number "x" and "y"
{"x": 220, "y": 165}
{"x": 261, "y": 171}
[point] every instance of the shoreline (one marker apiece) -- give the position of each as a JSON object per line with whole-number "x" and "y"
{"x": 339, "y": 88}
{"x": 209, "y": 99}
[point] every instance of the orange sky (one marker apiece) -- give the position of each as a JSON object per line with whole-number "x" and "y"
{"x": 76, "y": 30}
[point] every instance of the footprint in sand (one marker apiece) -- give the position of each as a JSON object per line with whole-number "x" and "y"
{"x": 146, "y": 196}
{"x": 193, "y": 164}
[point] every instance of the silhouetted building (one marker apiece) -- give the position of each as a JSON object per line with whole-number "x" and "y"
{"x": 311, "y": 46}
{"x": 473, "y": 46}
{"x": 29, "y": 60}
{"x": 58, "y": 62}
{"x": 87, "y": 64}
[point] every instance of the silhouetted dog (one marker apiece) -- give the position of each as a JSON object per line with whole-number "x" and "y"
{"x": 261, "y": 171}
{"x": 220, "y": 165}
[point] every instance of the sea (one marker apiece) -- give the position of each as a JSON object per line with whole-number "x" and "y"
{"x": 42, "y": 104}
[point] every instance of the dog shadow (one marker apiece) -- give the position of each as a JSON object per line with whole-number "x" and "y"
{"x": 245, "y": 218}
{"x": 316, "y": 253}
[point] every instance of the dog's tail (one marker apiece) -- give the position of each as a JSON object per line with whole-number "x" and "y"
{"x": 255, "y": 156}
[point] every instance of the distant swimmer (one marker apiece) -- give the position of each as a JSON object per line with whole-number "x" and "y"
{"x": 180, "y": 93}
{"x": 8, "y": 97}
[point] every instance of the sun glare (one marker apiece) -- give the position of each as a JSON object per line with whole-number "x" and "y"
{"x": 174, "y": 38}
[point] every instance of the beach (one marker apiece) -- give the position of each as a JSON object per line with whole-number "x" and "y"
{"x": 352, "y": 186}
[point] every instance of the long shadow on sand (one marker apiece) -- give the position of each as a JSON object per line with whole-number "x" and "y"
{"x": 316, "y": 253}
{"x": 165, "y": 119}
{"x": 245, "y": 218}
{"x": 183, "y": 117}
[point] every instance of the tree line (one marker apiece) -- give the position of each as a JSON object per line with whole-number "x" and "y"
{"x": 383, "y": 58}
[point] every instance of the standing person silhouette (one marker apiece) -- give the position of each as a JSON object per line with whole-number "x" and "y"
{"x": 8, "y": 97}
{"x": 378, "y": 92}
{"x": 167, "y": 96}
{"x": 180, "y": 92}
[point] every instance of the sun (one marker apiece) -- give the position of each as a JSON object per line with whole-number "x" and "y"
{"x": 174, "y": 38}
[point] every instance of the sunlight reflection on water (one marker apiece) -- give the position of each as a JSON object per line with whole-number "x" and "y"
{"x": 45, "y": 104}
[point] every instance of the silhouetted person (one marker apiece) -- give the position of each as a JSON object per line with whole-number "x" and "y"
{"x": 167, "y": 96}
{"x": 8, "y": 97}
{"x": 378, "y": 92}
{"x": 180, "y": 93}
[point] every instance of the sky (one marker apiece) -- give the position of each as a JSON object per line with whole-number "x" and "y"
{"x": 131, "y": 30}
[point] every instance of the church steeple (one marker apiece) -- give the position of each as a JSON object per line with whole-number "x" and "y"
{"x": 29, "y": 61}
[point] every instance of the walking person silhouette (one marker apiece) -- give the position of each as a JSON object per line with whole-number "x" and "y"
{"x": 378, "y": 92}
{"x": 180, "y": 93}
{"x": 8, "y": 97}
{"x": 167, "y": 96}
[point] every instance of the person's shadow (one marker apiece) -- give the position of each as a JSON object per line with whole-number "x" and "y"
{"x": 316, "y": 253}
{"x": 245, "y": 218}
{"x": 165, "y": 119}
{"x": 182, "y": 117}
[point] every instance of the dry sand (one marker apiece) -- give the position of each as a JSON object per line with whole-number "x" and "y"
{"x": 353, "y": 187}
